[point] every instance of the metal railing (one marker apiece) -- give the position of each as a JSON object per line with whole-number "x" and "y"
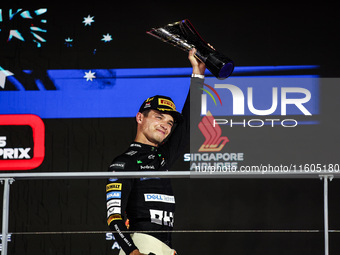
{"x": 8, "y": 178}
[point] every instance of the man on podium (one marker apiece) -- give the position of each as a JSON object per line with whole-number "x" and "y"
{"x": 149, "y": 203}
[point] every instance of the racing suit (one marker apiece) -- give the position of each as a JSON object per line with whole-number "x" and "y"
{"x": 149, "y": 203}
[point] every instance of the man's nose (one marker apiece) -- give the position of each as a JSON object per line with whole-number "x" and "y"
{"x": 165, "y": 126}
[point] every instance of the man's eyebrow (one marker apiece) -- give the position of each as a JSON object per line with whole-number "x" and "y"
{"x": 159, "y": 113}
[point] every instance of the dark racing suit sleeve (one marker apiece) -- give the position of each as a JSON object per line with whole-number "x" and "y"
{"x": 117, "y": 193}
{"x": 180, "y": 136}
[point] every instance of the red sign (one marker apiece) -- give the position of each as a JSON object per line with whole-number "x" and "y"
{"x": 214, "y": 142}
{"x": 21, "y": 160}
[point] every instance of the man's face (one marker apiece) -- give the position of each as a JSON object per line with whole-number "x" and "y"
{"x": 155, "y": 127}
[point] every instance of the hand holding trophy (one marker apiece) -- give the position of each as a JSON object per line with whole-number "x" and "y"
{"x": 183, "y": 35}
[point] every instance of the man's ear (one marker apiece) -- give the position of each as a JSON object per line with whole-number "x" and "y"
{"x": 139, "y": 117}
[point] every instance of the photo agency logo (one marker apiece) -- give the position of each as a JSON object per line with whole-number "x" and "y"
{"x": 285, "y": 102}
{"x": 245, "y": 103}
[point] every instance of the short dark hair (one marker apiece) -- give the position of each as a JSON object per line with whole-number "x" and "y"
{"x": 146, "y": 112}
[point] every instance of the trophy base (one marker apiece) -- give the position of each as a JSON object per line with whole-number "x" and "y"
{"x": 219, "y": 65}
{"x": 226, "y": 71}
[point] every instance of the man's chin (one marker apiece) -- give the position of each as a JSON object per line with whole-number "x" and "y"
{"x": 160, "y": 140}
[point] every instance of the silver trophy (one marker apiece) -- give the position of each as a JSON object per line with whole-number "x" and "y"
{"x": 183, "y": 35}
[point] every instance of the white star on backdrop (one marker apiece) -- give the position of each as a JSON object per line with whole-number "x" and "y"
{"x": 3, "y": 75}
{"x": 89, "y": 75}
{"x": 88, "y": 20}
{"x": 107, "y": 38}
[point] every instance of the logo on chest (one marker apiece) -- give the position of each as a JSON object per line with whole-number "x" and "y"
{"x": 159, "y": 198}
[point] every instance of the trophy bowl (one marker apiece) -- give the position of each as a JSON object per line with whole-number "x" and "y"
{"x": 183, "y": 35}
